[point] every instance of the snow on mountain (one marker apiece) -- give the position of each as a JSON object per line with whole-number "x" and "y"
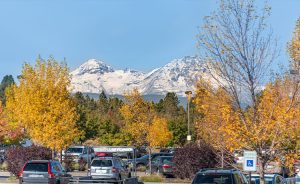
{"x": 178, "y": 76}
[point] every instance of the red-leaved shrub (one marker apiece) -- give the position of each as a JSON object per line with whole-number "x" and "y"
{"x": 18, "y": 156}
{"x": 191, "y": 158}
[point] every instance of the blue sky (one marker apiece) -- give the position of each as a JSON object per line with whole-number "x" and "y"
{"x": 136, "y": 34}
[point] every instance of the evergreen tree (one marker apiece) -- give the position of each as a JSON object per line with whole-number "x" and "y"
{"x": 7, "y": 81}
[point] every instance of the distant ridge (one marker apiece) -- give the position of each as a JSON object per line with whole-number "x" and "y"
{"x": 180, "y": 75}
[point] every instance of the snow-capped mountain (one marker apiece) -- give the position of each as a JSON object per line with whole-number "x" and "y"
{"x": 177, "y": 76}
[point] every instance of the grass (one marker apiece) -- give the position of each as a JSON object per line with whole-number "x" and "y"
{"x": 151, "y": 178}
{"x": 12, "y": 178}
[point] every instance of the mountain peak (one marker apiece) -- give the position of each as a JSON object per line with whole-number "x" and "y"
{"x": 94, "y": 66}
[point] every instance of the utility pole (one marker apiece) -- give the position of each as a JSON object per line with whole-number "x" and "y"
{"x": 189, "y": 96}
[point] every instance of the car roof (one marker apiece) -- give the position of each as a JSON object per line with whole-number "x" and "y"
{"x": 77, "y": 146}
{"x": 217, "y": 170}
{"x": 40, "y": 161}
{"x": 105, "y": 158}
{"x": 266, "y": 175}
{"x": 171, "y": 156}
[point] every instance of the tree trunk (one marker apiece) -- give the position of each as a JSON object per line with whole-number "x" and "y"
{"x": 222, "y": 158}
{"x": 262, "y": 171}
{"x": 53, "y": 155}
{"x": 60, "y": 157}
{"x": 150, "y": 164}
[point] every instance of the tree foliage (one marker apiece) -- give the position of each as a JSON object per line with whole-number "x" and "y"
{"x": 159, "y": 134}
{"x": 191, "y": 158}
{"x": 138, "y": 115}
{"x": 42, "y": 104}
{"x": 272, "y": 135}
{"x": 294, "y": 46}
{"x": 9, "y": 132}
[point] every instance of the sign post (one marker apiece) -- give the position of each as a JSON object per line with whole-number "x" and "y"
{"x": 250, "y": 160}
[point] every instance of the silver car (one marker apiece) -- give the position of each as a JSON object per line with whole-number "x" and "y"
{"x": 111, "y": 168}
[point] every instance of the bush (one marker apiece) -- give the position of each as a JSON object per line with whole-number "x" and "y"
{"x": 68, "y": 162}
{"x": 4, "y": 166}
{"x": 151, "y": 178}
{"x": 18, "y": 156}
{"x": 75, "y": 166}
{"x": 82, "y": 165}
{"x": 191, "y": 158}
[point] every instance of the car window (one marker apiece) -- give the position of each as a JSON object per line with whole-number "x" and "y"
{"x": 91, "y": 150}
{"x": 118, "y": 163}
{"x": 215, "y": 178}
{"x": 123, "y": 163}
{"x": 85, "y": 151}
{"x": 102, "y": 163}
{"x": 74, "y": 150}
{"x": 268, "y": 180}
{"x": 55, "y": 167}
{"x": 36, "y": 167}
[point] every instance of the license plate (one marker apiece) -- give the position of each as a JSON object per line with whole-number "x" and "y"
{"x": 36, "y": 176}
{"x": 101, "y": 171}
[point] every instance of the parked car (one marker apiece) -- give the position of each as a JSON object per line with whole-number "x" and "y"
{"x": 80, "y": 152}
{"x": 144, "y": 160}
{"x": 269, "y": 179}
{"x": 163, "y": 165}
{"x": 220, "y": 176}
{"x": 111, "y": 168}
{"x": 43, "y": 171}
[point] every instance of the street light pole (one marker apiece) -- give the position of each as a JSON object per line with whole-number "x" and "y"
{"x": 189, "y": 95}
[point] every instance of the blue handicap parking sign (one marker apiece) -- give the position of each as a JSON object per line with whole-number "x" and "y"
{"x": 249, "y": 163}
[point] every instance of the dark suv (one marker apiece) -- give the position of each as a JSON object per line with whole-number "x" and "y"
{"x": 43, "y": 171}
{"x": 144, "y": 160}
{"x": 220, "y": 176}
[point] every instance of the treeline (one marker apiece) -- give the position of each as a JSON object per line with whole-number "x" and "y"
{"x": 101, "y": 120}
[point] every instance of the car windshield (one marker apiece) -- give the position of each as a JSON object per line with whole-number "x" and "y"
{"x": 36, "y": 167}
{"x": 74, "y": 150}
{"x": 102, "y": 163}
{"x": 215, "y": 178}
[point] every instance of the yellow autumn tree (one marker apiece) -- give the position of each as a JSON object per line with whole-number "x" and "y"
{"x": 215, "y": 106}
{"x": 9, "y": 132}
{"x": 159, "y": 135}
{"x": 272, "y": 134}
{"x": 42, "y": 104}
{"x": 138, "y": 115}
{"x": 294, "y": 46}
